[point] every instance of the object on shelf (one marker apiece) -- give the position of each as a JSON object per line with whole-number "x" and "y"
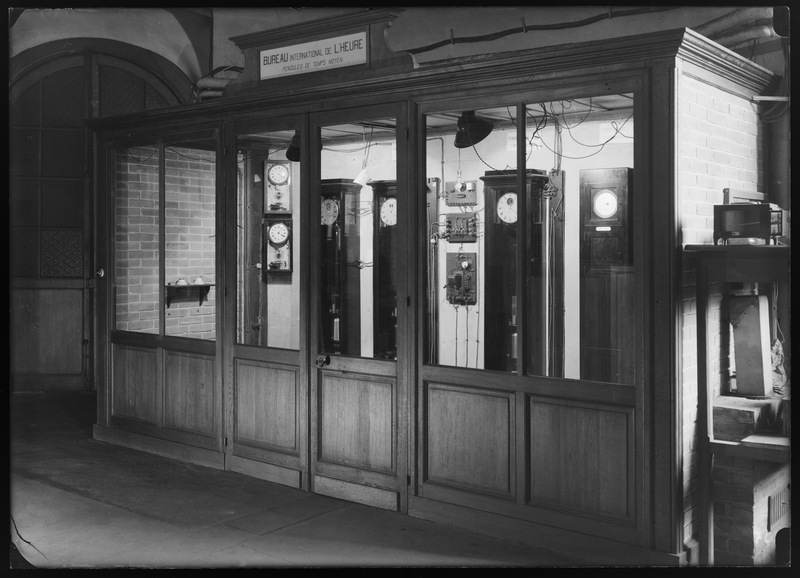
{"x": 181, "y": 292}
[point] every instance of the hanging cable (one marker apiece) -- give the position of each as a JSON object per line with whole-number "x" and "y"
{"x": 524, "y": 29}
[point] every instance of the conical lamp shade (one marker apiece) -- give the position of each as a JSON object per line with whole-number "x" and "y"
{"x": 471, "y": 129}
{"x": 293, "y": 152}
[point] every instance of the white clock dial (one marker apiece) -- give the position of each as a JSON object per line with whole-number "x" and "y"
{"x": 278, "y": 174}
{"x": 278, "y": 233}
{"x": 605, "y": 204}
{"x": 507, "y": 208}
{"x": 389, "y": 212}
{"x": 330, "y": 211}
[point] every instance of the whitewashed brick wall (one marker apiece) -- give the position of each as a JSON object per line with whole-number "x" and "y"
{"x": 719, "y": 147}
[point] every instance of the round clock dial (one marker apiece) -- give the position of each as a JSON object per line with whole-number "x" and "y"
{"x": 278, "y": 233}
{"x": 389, "y": 212}
{"x": 330, "y": 211}
{"x": 507, "y": 208}
{"x": 605, "y": 204}
{"x": 278, "y": 174}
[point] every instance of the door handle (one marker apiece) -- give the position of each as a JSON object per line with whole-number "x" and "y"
{"x": 321, "y": 361}
{"x": 100, "y": 272}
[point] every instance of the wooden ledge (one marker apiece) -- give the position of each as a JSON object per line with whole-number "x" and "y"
{"x": 767, "y": 448}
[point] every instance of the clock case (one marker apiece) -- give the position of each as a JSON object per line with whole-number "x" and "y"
{"x": 384, "y": 278}
{"x": 340, "y": 284}
{"x": 277, "y": 257}
{"x": 607, "y": 278}
{"x": 500, "y": 298}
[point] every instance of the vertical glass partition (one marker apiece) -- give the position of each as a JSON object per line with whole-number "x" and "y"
{"x": 137, "y": 252}
{"x": 572, "y": 200}
{"x": 268, "y": 256}
{"x": 165, "y": 238}
{"x": 190, "y": 239}
{"x": 472, "y": 231}
{"x": 358, "y": 204}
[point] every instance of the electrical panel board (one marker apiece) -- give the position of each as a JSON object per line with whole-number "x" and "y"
{"x": 461, "y": 194}
{"x": 462, "y": 278}
{"x": 461, "y": 227}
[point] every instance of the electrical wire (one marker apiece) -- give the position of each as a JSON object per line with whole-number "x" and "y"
{"x": 610, "y": 13}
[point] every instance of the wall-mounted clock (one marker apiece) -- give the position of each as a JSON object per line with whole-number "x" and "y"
{"x": 278, "y": 190}
{"x": 277, "y": 244}
{"x": 507, "y": 207}
{"x": 278, "y": 234}
{"x": 278, "y": 174}
{"x": 389, "y": 211}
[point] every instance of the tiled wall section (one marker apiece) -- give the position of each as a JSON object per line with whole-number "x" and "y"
{"x": 719, "y": 146}
{"x": 189, "y": 223}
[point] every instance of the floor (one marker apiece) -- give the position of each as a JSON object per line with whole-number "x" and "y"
{"x": 80, "y": 503}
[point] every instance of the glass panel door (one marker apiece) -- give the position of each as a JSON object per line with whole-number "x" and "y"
{"x": 357, "y": 383}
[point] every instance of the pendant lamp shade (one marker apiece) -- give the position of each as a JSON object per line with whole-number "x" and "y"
{"x": 471, "y": 129}
{"x": 293, "y": 152}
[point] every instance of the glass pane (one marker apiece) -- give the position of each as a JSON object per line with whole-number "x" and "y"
{"x": 580, "y": 252}
{"x": 472, "y": 235}
{"x": 136, "y": 247}
{"x": 358, "y": 220}
{"x": 268, "y": 258}
{"x": 190, "y": 239}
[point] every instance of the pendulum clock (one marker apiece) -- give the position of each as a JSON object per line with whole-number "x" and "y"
{"x": 340, "y": 288}
{"x": 385, "y": 269}
{"x": 606, "y": 275}
{"x": 543, "y": 279}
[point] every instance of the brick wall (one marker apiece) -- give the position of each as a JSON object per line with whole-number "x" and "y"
{"x": 719, "y": 146}
{"x": 189, "y": 224}
{"x": 743, "y": 533}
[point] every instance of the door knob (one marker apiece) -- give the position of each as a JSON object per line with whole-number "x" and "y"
{"x": 322, "y": 361}
{"x": 100, "y": 272}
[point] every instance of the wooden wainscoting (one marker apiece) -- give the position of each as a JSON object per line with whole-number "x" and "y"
{"x": 469, "y": 439}
{"x": 357, "y": 422}
{"x": 47, "y": 335}
{"x": 543, "y": 460}
{"x": 189, "y": 400}
{"x": 135, "y": 389}
{"x": 267, "y": 420}
{"x": 166, "y": 394}
{"x": 581, "y": 458}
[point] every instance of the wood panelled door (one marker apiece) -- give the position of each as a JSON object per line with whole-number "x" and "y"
{"x": 358, "y": 389}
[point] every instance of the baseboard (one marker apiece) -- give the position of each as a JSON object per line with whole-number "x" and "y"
{"x": 164, "y": 448}
{"x": 592, "y": 550}
{"x": 375, "y": 497}
{"x": 264, "y": 471}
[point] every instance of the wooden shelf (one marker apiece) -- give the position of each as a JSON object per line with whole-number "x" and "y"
{"x": 767, "y": 448}
{"x": 186, "y": 292}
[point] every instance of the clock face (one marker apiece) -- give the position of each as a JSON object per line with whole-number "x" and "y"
{"x": 278, "y": 233}
{"x": 605, "y": 204}
{"x": 278, "y": 174}
{"x": 330, "y": 211}
{"x": 507, "y": 208}
{"x": 389, "y": 212}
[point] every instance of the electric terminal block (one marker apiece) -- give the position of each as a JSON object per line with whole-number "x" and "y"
{"x": 461, "y": 228}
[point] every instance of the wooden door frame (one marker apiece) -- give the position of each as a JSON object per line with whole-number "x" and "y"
{"x": 398, "y": 109}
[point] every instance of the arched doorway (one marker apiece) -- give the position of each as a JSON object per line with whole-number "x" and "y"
{"x": 54, "y": 89}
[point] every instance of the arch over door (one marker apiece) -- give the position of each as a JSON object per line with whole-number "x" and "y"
{"x": 53, "y": 92}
